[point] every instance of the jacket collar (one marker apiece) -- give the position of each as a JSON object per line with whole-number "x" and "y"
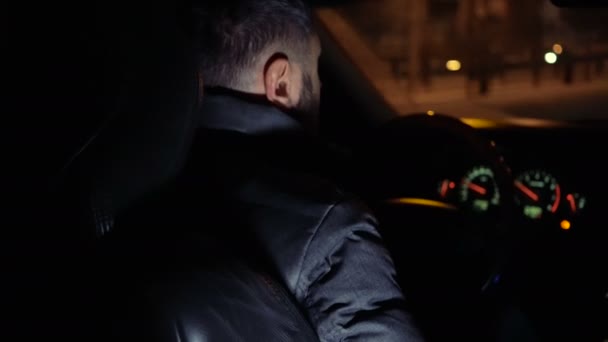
{"x": 224, "y": 109}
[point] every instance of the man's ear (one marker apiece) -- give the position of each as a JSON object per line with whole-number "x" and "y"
{"x": 281, "y": 87}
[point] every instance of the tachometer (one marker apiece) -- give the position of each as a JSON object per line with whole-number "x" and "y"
{"x": 538, "y": 193}
{"x": 479, "y": 189}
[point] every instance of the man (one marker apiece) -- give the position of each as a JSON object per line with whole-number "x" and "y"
{"x": 259, "y": 62}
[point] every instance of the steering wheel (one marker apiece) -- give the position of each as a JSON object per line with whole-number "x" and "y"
{"x": 444, "y": 252}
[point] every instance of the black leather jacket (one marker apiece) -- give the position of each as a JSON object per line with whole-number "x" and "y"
{"x": 323, "y": 243}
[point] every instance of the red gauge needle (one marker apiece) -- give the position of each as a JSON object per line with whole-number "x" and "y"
{"x": 570, "y": 199}
{"x": 526, "y": 191}
{"x": 444, "y": 188}
{"x": 477, "y": 188}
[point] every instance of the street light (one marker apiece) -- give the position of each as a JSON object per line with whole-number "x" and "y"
{"x": 550, "y": 57}
{"x": 453, "y": 65}
{"x": 558, "y": 48}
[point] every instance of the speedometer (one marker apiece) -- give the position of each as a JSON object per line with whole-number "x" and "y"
{"x": 479, "y": 189}
{"x": 538, "y": 193}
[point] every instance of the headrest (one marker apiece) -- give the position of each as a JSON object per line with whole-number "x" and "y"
{"x": 146, "y": 140}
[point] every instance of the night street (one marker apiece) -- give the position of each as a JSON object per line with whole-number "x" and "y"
{"x": 582, "y": 101}
{"x": 510, "y": 95}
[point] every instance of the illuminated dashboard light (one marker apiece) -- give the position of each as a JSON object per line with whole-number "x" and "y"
{"x": 421, "y": 202}
{"x": 565, "y": 225}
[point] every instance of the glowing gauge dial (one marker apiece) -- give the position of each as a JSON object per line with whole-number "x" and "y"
{"x": 538, "y": 193}
{"x": 479, "y": 190}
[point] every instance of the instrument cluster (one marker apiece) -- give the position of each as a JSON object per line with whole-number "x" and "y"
{"x": 538, "y": 195}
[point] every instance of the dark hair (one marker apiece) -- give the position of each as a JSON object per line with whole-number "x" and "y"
{"x": 232, "y": 33}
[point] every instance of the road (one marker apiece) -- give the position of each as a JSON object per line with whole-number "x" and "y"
{"x": 585, "y": 107}
{"x": 557, "y": 101}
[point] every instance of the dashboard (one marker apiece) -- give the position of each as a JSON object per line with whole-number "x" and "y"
{"x": 557, "y": 177}
{"x": 540, "y": 174}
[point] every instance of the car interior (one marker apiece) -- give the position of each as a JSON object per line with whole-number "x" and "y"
{"x": 496, "y": 226}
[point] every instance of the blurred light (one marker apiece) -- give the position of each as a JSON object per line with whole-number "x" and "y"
{"x": 479, "y": 123}
{"x": 430, "y": 113}
{"x": 453, "y": 65}
{"x": 422, "y": 202}
{"x": 452, "y": 185}
{"x": 550, "y": 57}
{"x": 530, "y": 122}
{"x": 511, "y": 121}
{"x": 565, "y": 225}
{"x": 558, "y": 49}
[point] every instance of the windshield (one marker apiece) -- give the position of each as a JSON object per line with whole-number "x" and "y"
{"x": 478, "y": 58}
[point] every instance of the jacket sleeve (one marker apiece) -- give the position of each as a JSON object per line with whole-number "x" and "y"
{"x": 348, "y": 281}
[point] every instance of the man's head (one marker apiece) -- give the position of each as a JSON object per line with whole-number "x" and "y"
{"x": 264, "y": 47}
